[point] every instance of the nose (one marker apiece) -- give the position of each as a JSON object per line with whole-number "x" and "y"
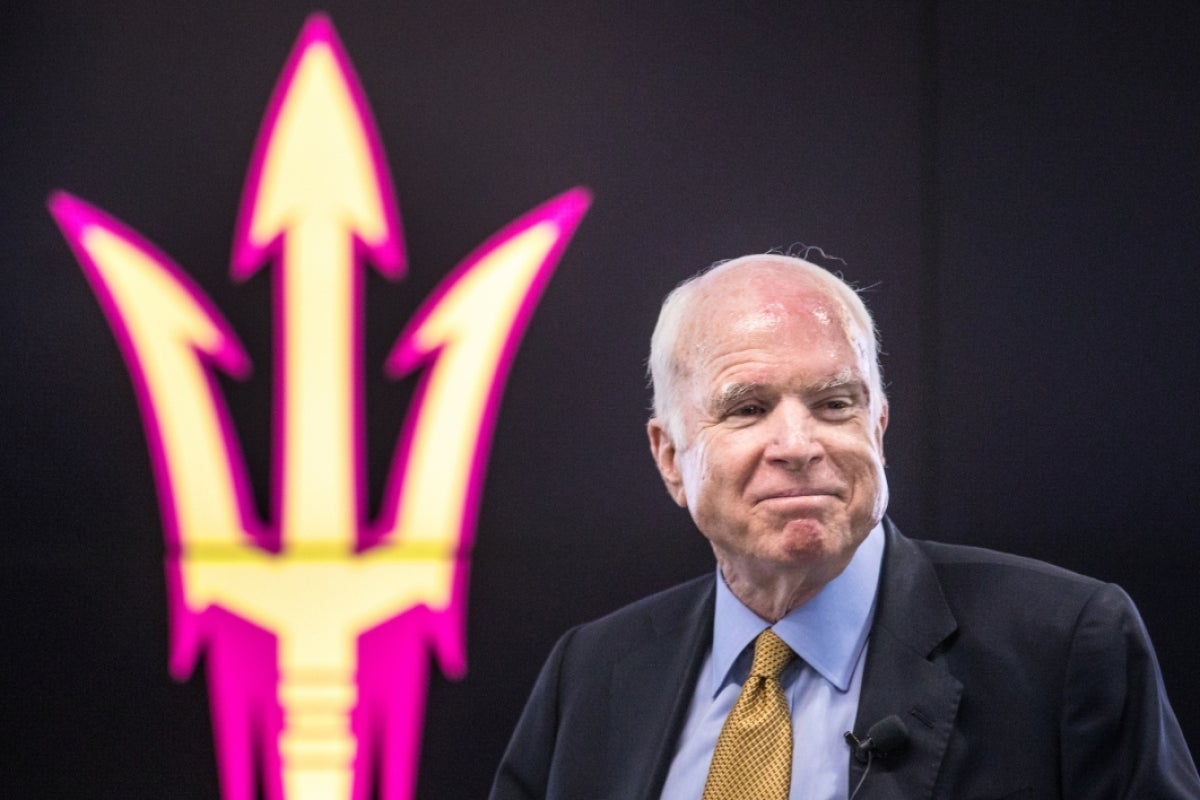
{"x": 792, "y": 436}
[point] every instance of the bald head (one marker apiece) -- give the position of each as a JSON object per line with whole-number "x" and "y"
{"x": 755, "y": 293}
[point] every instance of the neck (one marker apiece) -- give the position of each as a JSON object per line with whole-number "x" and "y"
{"x": 771, "y": 593}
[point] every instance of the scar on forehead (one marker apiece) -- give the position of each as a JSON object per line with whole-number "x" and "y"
{"x": 764, "y": 320}
{"x": 771, "y": 316}
{"x": 829, "y": 310}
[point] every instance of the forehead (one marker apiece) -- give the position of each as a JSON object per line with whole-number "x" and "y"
{"x": 773, "y": 314}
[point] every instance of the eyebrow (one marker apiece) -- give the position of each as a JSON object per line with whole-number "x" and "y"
{"x": 844, "y": 377}
{"x": 734, "y": 394}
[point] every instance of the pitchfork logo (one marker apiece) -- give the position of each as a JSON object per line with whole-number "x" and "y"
{"x": 317, "y": 623}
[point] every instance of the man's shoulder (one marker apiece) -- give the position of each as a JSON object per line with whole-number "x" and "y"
{"x": 661, "y": 614}
{"x": 982, "y": 608}
{"x": 989, "y": 585}
{"x": 971, "y": 564}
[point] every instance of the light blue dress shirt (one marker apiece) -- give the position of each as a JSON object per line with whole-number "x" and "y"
{"x": 829, "y": 634}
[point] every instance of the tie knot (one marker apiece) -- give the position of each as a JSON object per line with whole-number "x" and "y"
{"x": 771, "y": 655}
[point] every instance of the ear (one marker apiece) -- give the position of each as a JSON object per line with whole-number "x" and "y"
{"x": 662, "y": 448}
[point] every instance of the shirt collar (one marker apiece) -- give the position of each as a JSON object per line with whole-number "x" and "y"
{"x": 828, "y": 632}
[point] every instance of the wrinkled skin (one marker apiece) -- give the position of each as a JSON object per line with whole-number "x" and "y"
{"x": 781, "y": 459}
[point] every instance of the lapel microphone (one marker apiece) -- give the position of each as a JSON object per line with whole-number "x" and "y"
{"x": 889, "y": 734}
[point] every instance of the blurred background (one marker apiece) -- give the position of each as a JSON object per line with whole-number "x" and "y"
{"x": 1015, "y": 185}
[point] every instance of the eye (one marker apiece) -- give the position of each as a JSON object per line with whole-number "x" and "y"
{"x": 837, "y": 408}
{"x": 748, "y": 410}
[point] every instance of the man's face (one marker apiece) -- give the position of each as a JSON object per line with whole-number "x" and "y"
{"x": 781, "y": 458}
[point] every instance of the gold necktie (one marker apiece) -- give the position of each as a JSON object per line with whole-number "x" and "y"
{"x": 753, "y": 756}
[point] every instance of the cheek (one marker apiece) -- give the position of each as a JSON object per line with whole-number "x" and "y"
{"x": 711, "y": 471}
{"x": 881, "y": 489}
{"x": 691, "y": 473}
{"x": 870, "y": 484}
{"x": 862, "y": 463}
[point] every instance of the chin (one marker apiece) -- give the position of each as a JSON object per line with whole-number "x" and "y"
{"x": 807, "y": 541}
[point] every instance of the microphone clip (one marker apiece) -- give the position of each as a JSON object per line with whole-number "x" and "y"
{"x": 861, "y": 748}
{"x": 885, "y": 736}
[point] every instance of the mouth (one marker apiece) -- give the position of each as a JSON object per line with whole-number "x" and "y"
{"x": 798, "y": 496}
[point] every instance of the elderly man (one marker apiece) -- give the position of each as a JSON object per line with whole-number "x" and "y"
{"x": 961, "y": 673}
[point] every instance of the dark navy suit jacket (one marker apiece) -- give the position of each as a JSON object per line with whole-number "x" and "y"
{"x": 1014, "y": 678}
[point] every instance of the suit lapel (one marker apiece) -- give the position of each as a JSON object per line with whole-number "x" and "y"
{"x": 652, "y": 688}
{"x": 912, "y": 620}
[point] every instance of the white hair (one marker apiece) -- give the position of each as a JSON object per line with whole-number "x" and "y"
{"x": 667, "y": 365}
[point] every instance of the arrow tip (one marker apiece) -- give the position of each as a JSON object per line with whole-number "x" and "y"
{"x": 318, "y": 157}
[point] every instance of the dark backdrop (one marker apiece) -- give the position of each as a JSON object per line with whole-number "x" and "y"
{"x": 1015, "y": 182}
